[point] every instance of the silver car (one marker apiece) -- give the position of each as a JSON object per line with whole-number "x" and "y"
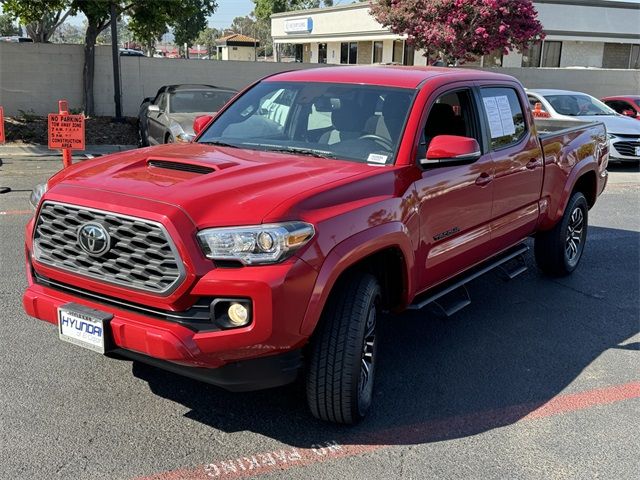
{"x": 623, "y": 132}
{"x": 168, "y": 117}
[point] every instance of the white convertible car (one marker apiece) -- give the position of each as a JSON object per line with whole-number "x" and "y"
{"x": 623, "y": 132}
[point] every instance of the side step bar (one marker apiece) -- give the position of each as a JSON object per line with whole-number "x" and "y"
{"x": 511, "y": 262}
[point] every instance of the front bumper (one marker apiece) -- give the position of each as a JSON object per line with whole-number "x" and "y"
{"x": 264, "y": 354}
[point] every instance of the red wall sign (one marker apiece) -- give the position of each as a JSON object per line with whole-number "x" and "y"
{"x": 66, "y": 131}
{"x": 2, "y": 140}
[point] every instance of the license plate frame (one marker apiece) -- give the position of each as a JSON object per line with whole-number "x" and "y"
{"x": 83, "y": 326}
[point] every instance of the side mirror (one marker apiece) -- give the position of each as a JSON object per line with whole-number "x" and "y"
{"x": 451, "y": 149}
{"x": 629, "y": 113}
{"x": 200, "y": 122}
{"x": 153, "y": 108}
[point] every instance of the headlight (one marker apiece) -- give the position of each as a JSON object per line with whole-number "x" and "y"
{"x": 184, "y": 137}
{"x": 36, "y": 195}
{"x": 610, "y": 136}
{"x": 254, "y": 245}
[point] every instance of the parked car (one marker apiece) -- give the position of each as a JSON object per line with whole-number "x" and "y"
{"x": 15, "y": 39}
{"x": 623, "y": 132}
{"x": 130, "y": 52}
{"x": 271, "y": 244}
{"x": 627, "y": 105}
{"x": 168, "y": 117}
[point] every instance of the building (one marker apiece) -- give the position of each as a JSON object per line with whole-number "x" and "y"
{"x": 237, "y": 47}
{"x": 579, "y": 33}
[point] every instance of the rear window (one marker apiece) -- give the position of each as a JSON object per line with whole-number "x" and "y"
{"x": 198, "y": 101}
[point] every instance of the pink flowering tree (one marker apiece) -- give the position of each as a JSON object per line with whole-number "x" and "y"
{"x": 461, "y": 30}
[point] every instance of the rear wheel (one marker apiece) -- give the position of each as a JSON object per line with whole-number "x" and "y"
{"x": 343, "y": 354}
{"x": 559, "y": 250}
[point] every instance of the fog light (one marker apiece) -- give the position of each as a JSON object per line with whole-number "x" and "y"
{"x": 238, "y": 314}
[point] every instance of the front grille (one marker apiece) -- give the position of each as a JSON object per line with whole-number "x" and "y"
{"x": 141, "y": 255}
{"x": 627, "y": 148}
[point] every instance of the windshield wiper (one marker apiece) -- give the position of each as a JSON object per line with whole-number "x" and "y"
{"x": 219, "y": 144}
{"x": 300, "y": 151}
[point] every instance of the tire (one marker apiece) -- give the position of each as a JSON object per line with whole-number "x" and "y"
{"x": 168, "y": 138}
{"x": 343, "y": 356}
{"x": 559, "y": 250}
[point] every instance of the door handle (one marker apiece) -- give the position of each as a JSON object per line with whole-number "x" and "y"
{"x": 483, "y": 179}
{"x": 531, "y": 164}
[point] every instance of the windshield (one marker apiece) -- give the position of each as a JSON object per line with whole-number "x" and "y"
{"x": 637, "y": 101}
{"x": 577, "y": 105}
{"x": 352, "y": 122}
{"x": 198, "y": 101}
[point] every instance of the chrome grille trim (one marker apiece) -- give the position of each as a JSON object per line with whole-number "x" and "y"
{"x": 627, "y": 148}
{"x": 143, "y": 257}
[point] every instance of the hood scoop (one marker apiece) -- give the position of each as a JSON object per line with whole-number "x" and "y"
{"x": 182, "y": 167}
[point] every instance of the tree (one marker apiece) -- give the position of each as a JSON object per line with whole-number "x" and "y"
{"x": 207, "y": 38}
{"x": 265, "y": 8}
{"x": 191, "y": 21}
{"x": 67, "y": 33}
{"x": 256, "y": 28}
{"x": 41, "y": 18}
{"x": 148, "y": 20}
{"x": 461, "y": 29}
{"x": 7, "y": 26}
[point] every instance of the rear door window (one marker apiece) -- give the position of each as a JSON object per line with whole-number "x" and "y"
{"x": 504, "y": 116}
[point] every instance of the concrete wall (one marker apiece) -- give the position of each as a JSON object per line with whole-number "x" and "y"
{"x": 597, "y": 82}
{"x": 35, "y": 76}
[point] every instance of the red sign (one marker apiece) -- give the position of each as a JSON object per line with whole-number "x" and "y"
{"x": 66, "y": 131}
{"x": 1, "y": 125}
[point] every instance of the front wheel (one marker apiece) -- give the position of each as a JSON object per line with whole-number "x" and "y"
{"x": 559, "y": 250}
{"x": 343, "y": 354}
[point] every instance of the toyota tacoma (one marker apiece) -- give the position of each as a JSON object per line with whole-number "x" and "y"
{"x": 268, "y": 247}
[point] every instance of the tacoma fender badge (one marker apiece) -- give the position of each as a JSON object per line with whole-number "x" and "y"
{"x": 446, "y": 234}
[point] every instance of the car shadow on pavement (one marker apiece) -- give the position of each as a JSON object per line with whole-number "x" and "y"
{"x": 518, "y": 345}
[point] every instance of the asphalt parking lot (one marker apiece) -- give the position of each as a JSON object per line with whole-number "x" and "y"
{"x": 537, "y": 378}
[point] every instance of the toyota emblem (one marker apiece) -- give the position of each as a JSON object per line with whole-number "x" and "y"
{"x": 94, "y": 239}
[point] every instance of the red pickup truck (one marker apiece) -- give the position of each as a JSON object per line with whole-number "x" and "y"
{"x": 313, "y": 202}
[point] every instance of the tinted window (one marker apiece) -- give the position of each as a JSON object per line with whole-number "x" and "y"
{"x": 162, "y": 103}
{"x": 352, "y": 122}
{"x": 198, "y": 101}
{"x": 577, "y": 105}
{"x": 451, "y": 114}
{"x": 618, "y": 105}
{"x": 377, "y": 52}
{"x": 551, "y": 52}
{"x": 504, "y": 116}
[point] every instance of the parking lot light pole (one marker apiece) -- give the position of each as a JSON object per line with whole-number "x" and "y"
{"x": 116, "y": 63}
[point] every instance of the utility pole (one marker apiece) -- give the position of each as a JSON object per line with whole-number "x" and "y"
{"x": 116, "y": 63}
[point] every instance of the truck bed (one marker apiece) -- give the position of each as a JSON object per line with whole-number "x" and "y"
{"x": 547, "y": 127}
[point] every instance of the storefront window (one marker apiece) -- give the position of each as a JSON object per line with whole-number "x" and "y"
{"x": 408, "y": 54}
{"x": 635, "y": 57}
{"x": 377, "y": 52}
{"x": 531, "y": 55}
{"x": 322, "y": 53}
{"x": 397, "y": 51}
{"x": 349, "y": 52}
{"x": 551, "y": 54}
